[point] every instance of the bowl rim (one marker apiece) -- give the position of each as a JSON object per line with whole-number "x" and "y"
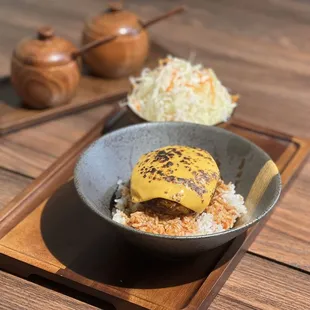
{"x": 133, "y": 110}
{"x": 232, "y": 230}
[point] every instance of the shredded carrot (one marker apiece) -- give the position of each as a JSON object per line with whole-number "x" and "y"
{"x": 189, "y": 85}
{"x": 178, "y": 85}
{"x": 170, "y": 117}
{"x": 163, "y": 61}
{"x": 205, "y": 81}
{"x": 235, "y": 97}
{"x": 171, "y": 85}
{"x": 212, "y": 88}
{"x": 138, "y": 107}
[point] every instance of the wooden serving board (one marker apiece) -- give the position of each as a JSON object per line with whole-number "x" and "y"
{"x": 48, "y": 235}
{"x": 92, "y": 91}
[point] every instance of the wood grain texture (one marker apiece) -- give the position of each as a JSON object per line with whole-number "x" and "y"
{"x": 42, "y": 88}
{"x": 258, "y": 79}
{"x": 42, "y": 70}
{"x": 33, "y": 150}
{"x": 285, "y": 237}
{"x": 20, "y": 294}
{"x": 10, "y": 185}
{"x": 249, "y": 287}
{"x": 260, "y": 49}
{"x": 269, "y": 45}
{"x": 260, "y": 284}
{"x": 51, "y": 86}
{"x": 122, "y": 56}
{"x": 28, "y": 235}
{"x": 53, "y": 176}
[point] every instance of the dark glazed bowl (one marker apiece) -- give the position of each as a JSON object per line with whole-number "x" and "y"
{"x": 113, "y": 157}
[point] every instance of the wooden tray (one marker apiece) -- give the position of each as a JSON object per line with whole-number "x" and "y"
{"x": 49, "y": 236}
{"x": 92, "y": 91}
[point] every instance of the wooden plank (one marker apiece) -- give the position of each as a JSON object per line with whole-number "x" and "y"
{"x": 251, "y": 286}
{"x": 53, "y": 176}
{"x": 91, "y": 92}
{"x": 257, "y": 62}
{"x": 33, "y": 150}
{"x": 258, "y": 48}
{"x": 264, "y": 100}
{"x": 28, "y": 235}
{"x": 11, "y": 184}
{"x": 285, "y": 238}
{"x": 260, "y": 284}
{"x": 258, "y": 82}
{"x": 20, "y": 294}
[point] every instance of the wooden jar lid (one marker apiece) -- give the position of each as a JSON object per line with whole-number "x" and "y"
{"x": 114, "y": 20}
{"x": 45, "y": 49}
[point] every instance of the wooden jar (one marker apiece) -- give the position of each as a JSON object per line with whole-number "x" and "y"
{"x": 122, "y": 56}
{"x": 43, "y": 71}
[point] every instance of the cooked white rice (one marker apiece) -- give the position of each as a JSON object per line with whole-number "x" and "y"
{"x": 230, "y": 204}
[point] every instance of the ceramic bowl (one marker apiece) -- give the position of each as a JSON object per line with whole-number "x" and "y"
{"x": 113, "y": 156}
{"x": 140, "y": 118}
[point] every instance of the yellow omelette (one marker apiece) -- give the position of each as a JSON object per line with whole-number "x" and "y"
{"x": 177, "y": 173}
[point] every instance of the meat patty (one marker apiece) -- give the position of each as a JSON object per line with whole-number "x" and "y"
{"x": 165, "y": 206}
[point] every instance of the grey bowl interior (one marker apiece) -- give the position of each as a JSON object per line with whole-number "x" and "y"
{"x": 113, "y": 156}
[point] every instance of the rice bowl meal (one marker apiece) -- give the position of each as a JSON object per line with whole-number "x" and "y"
{"x": 158, "y": 186}
{"x": 177, "y": 90}
{"x": 177, "y": 190}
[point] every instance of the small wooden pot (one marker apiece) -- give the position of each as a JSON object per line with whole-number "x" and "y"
{"x": 122, "y": 56}
{"x": 43, "y": 71}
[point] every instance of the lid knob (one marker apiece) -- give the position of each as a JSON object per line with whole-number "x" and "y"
{"x": 45, "y": 33}
{"x": 115, "y": 6}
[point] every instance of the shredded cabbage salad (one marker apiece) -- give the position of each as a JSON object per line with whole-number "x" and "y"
{"x": 176, "y": 90}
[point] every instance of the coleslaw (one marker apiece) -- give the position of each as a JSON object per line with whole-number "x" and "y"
{"x": 177, "y": 90}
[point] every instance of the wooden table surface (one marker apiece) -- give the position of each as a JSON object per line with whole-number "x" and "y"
{"x": 260, "y": 49}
